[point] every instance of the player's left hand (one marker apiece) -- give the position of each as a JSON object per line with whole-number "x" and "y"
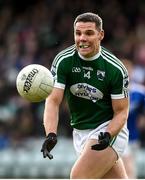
{"x": 104, "y": 139}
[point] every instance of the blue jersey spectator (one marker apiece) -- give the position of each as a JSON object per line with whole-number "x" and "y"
{"x": 137, "y": 104}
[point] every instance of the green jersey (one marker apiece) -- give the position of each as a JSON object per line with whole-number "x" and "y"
{"x": 90, "y": 84}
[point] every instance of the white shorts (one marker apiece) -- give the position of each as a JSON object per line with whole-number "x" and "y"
{"x": 119, "y": 144}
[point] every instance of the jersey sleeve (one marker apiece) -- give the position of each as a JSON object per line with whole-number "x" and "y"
{"x": 119, "y": 85}
{"x": 58, "y": 72}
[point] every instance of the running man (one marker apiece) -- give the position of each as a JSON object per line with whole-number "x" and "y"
{"x": 95, "y": 83}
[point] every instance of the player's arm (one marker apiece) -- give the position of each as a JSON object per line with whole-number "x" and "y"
{"x": 51, "y": 110}
{"x": 120, "y": 106}
{"x": 51, "y": 113}
{"x": 120, "y": 109}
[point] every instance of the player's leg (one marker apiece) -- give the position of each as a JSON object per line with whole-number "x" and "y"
{"x": 93, "y": 164}
{"x": 117, "y": 171}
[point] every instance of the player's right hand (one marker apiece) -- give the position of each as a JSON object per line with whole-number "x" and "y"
{"x": 48, "y": 145}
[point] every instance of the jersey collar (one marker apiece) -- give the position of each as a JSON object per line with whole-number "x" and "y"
{"x": 96, "y": 56}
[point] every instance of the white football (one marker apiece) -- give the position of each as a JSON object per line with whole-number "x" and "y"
{"x": 34, "y": 82}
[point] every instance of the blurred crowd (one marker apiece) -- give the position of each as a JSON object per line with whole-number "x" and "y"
{"x": 35, "y": 31}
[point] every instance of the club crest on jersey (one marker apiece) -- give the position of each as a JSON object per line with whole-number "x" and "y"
{"x": 100, "y": 75}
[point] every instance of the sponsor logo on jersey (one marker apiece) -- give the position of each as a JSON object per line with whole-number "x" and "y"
{"x": 86, "y": 91}
{"x": 126, "y": 86}
{"x": 76, "y": 69}
{"x": 100, "y": 75}
{"x": 126, "y": 82}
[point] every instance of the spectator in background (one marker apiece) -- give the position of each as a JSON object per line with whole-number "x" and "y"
{"x": 137, "y": 104}
{"x": 141, "y": 127}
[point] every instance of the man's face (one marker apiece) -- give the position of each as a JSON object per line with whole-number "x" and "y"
{"x": 87, "y": 38}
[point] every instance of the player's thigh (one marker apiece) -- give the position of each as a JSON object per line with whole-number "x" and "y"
{"x": 117, "y": 171}
{"x": 93, "y": 164}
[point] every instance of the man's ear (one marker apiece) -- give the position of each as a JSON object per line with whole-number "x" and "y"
{"x": 101, "y": 35}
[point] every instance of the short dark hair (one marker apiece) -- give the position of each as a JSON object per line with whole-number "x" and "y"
{"x": 90, "y": 17}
